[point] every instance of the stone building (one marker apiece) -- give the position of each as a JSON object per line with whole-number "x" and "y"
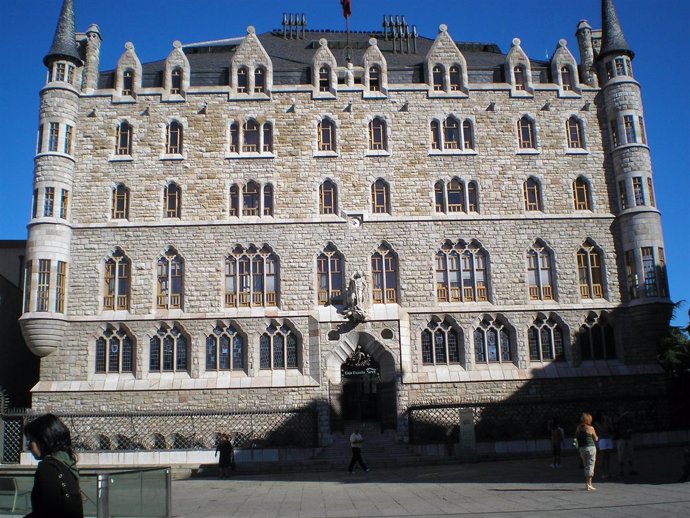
{"x": 363, "y": 223}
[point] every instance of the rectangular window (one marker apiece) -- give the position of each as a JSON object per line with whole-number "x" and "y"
{"x": 60, "y": 72}
{"x": 638, "y": 191}
{"x": 620, "y": 67}
{"x": 609, "y": 70}
{"x": 630, "y": 273}
{"x": 614, "y": 133}
{"x": 27, "y": 287}
{"x": 43, "y": 285}
{"x": 622, "y": 195}
{"x": 48, "y": 202}
{"x": 650, "y": 192}
{"x": 649, "y": 268}
{"x": 64, "y": 199}
{"x": 630, "y": 134}
{"x": 53, "y": 136}
{"x": 61, "y": 284}
{"x": 661, "y": 266}
{"x": 68, "y": 139}
{"x": 34, "y": 204}
{"x": 643, "y": 132}
{"x": 39, "y": 143}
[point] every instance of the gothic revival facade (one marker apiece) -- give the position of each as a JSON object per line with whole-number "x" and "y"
{"x": 363, "y": 224}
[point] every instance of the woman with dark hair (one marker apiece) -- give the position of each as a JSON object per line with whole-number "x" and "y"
{"x": 586, "y": 437}
{"x": 56, "y": 492}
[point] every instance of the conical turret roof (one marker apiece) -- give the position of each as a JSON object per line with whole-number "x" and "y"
{"x": 613, "y": 39}
{"x": 64, "y": 42}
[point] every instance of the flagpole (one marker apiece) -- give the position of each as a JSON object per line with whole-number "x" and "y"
{"x": 348, "y": 51}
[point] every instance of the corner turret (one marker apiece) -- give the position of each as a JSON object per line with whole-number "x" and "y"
{"x": 64, "y": 45}
{"x": 613, "y": 38}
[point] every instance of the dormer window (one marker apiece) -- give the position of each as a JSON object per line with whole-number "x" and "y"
{"x": 519, "y": 73}
{"x": 375, "y": 79}
{"x": 242, "y": 80}
{"x": 176, "y": 81}
{"x": 259, "y": 80}
{"x": 127, "y": 82}
{"x": 437, "y": 78}
{"x": 324, "y": 79}
{"x": 566, "y": 78}
{"x": 455, "y": 82}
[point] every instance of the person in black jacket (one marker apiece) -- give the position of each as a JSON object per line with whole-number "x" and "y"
{"x": 56, "y": 492}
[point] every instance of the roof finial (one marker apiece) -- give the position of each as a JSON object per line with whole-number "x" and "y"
{"x": 613, "y": 38}
{"x": 64, "y": 42}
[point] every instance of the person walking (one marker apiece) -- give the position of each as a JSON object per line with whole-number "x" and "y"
{"x": 56, "y": 492}
{"x": 604, "y": 427}
{"x": 586, "y": 437}
{"x": 356, "y": 441}
{"x": 226, "y": 459}
{"x": 557, "y": 440}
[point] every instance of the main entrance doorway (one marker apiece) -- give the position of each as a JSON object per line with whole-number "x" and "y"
{"x": 360, "y": 399}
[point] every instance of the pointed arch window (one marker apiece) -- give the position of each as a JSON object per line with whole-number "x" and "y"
{"x": 455, "y": 78}
{"x": 267, "y": 145}
{"x": 440, "y": 196}
{"x": 251, "y": 277}
{"x": 173, "y": 139}
{"x": 234, "y": 138}
{"x": 250, "y": 199}
{"x": 375, "y": 78}
{"x": 567, "y": 78}
{"x": 114, "y": 351}
{"x": 329, "y": 271}
{"x": 380, "y": 197}
{"x": 472, "y": 197}
{"x": 123, "y": 139}
{"x": 435, "y": 135}
{"x": 596, "y": 339}
{"x": 461, "y": 272}
{"x": 117, "y": 281}
{"x": 176, "y": 81}
{"x": 532, "y": 192}
{"x": 545, "y": 340}
{"x": 120, "y": 202}
{"x": 519, "y": 74}
{"x": 268, "y": 200}
{"x": 377, "y": 135}
{"x": 441, "y": 344}
{"x": 581, "y": 195}
{"x": 493, "y": 342}
{"x": 467, "y": 135}
{"x": 384, "y": 269}
{"x": 250, "y": 142}
{"x": 259, "y": 80}
{"x": 225, "y": 349}
{"x": 169, "y": 350}
{"x": 326, "y": 132}
{"x": 324, "y": 79}
{"x": 170, "y": 285}
{"x": 172, "y": 197}
{"x": 242, "y": 80}
{"x": 128, "y": 82}
{"x": 328, "y": 198}
{"x": 456, "y": 196}
{"x": 575, "y": 133}
{"x": 540, "y": 272}
{"x": 234, "y": 200}
{"x": 451, "y": 133}
{"x": 526, "y": 133}
{"x": 279, "y": 348}
{"x": 437, "y": 78}
{"x": 590, "y": 272}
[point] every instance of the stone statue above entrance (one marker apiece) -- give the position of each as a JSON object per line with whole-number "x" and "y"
{"x": 356, "y": 298}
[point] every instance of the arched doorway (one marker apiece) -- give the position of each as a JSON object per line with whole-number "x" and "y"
{"x": 360, "y": 375}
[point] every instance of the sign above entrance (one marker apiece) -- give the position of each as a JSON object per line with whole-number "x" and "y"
{"x": 360, "y": 364}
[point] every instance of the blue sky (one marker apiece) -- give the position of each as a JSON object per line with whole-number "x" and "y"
{"x": 657, "y": 31}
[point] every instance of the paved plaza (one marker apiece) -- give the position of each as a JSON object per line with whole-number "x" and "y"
{"x": 497, "y": 488}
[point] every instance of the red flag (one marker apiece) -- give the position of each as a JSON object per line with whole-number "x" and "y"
{"x": 347, "y": 7}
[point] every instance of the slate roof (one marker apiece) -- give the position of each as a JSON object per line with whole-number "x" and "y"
{"x": 64, "y": 42}
{"x": 613, "y": 39}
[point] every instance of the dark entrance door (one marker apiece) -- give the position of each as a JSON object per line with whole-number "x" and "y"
{"x": 360, "y": 399}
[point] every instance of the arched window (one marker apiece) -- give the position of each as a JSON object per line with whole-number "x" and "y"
{"x": 472, "y": 197}
{"x": 545, "y": 339}
{"x": 250, "y": 141}
{"x": 567, "y": 78}
{"x": 441, "y": 344}
{"x": 259, "y": 80}
{"x": 326, "y": 135}
{"x": 435, "y": 135}
{"x": 377, "y": 134}
{"x": 168, "y": 350}
{"x": 242, "y": 80}
{"x": 268, "y": 200}
{"x": 526, "y": 135}
{"x": 455, "y": 78}
{"x": 590, "y": 272}
{"x": 324, "y": 79}
{"x": 120, "y": 202}
{"x": 539, "y": 272}
{"x": 581, "y": 194}
{"x": 234, "y": 200}
{"x": 172, "y": 198}
{"x": 380, "y": 197}
{"x": 437, "y": 78}
{"x": 117, "y": 277}
{"x": 279, "y": 348}
{"x": 596, "y": 340}
{"x": 374, "y": 78}
{"x": 493, "y": 342}
{"x": 384, "y": 276}
{"x": 467, "y": 135}
{"x": 573, "y": 129}
{"x": 234, "y": 138}
{"x": 456, "y": 195}
{"x": 173, "y": 140}
{"x": 170, "y": 274}
{"x": 251, "y": 277}
{"x": 114, "y": 351}
{"x": 250, "y": 199}
{"x": 176, "y": 81}
{"x": 123, "y": 139}
{"x": 519, "y": 74}
{"x": 532, "y": 192}
{"x": 225, "y": 349}
{"x": 268, "y": 137}
{"x": 128, "y": 82}
{"x": 461, "y": 273}
{"x": 440, "y": 196}
{"x": 451, "y": 133}
{"x": 328, "y": 198}
{"x": 329, "y": 271}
